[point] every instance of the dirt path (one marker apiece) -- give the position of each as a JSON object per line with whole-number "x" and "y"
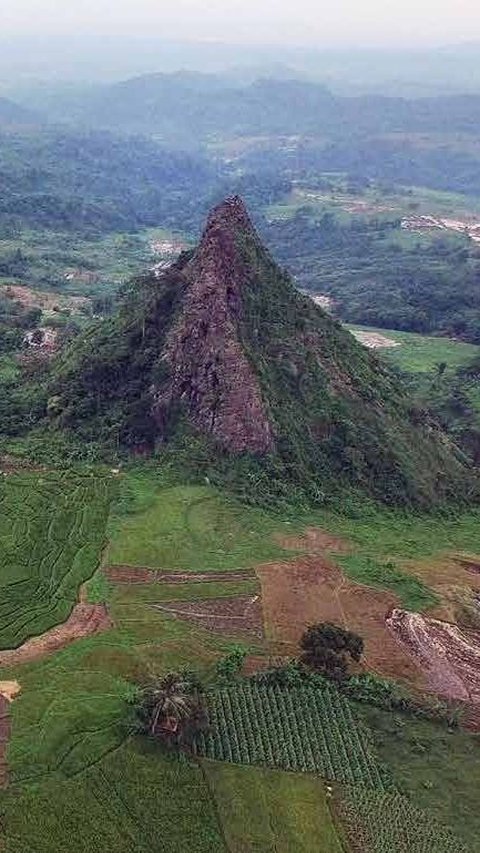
{"x": 84, "y": 620}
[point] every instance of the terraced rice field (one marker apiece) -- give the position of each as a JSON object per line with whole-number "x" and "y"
{"x": 52, "y": 530}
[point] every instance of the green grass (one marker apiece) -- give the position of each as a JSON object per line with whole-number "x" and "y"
{"x": 439, "y": 770}
{"x": 383, "y": 533}
{"x": 72, "y": 705}
{"x": 412, "y": 592}
{"x": 52, "y": 530}
{"x": 423, "y": 353}
{"x": 189, "y": 528}
{"x": 270, "y": 811}
{"x": 136, "y": 800}
{"x": 71, "y": 763}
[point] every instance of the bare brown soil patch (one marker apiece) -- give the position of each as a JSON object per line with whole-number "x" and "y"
{"x": 470, "y": 564}
{"x": 312, "y": 589}
{"x": 43, "y": 299}
{"x": 142, "y": 574}
{"x": 446, "y": 570}
{"x": 84, "y": 620}
{"x": 448, "y": 655}
{"x": 373, "y": 340}
{"x": 4, "y": 738}
{"x": 452, "y": 576}
{"x": 239, "y": 614}
{"x": 315, "y": 541}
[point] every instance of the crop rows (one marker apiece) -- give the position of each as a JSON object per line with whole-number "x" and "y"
{"x": 295, "y": 729}
{"x": 52, "y": 529}
{"x": 386, "y": 822}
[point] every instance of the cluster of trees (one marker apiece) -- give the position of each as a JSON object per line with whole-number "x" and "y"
{"x": 172, "y": 707}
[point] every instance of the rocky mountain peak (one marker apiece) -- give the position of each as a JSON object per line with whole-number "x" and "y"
{"x": 230, "y": 214}
{"x": 210, "y": 375}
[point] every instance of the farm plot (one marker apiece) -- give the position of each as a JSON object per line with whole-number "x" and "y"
{"x": 131, "y": 801}
{"x": 294, "y": 729}
{"x": 270, "y": 811}
{"x": 52, "y": 530}
{"x": 386, "y": 822}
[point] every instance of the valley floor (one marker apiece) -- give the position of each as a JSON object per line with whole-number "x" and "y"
{"x": 185, "y": 573}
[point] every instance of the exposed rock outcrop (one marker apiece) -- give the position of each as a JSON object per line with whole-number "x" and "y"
{"x": 209, "y": 372}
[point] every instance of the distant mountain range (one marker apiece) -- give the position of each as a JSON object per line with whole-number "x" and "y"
{"x": 187, "y": 108}
{"x": 407, "y": 72}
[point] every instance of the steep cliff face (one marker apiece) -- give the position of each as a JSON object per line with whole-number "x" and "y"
{"x": 208, "y": 371}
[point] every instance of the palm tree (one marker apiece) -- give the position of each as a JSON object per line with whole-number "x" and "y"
{"x": 172, "y": 707}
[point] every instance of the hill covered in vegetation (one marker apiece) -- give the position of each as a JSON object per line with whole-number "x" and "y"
{"x": 221, "y": 357}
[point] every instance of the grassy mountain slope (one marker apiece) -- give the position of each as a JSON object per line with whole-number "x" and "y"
{"x": 221, "y": 347}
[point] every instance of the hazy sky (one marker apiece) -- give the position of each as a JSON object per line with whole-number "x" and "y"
{"x": 320, "y": 22}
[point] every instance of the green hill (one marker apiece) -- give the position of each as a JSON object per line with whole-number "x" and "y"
{"x": 220, "y": 359}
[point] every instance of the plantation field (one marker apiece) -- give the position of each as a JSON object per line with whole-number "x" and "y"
{"x": 386, "y": 822}
{"x": 52, "y": 530}
{"x": 69, "y": 263}
{"x": 375, "y": 200}
{"x": 438, "y": 769}
{"x": 295, "y": 729}
{"x": 270, "y": 811}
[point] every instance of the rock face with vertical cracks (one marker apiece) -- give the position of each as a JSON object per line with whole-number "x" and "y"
{"x": 209, "y": 373}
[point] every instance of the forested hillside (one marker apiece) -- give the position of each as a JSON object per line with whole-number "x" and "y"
{"x": 379, "y": 275}
{"x": 90, "y": 181}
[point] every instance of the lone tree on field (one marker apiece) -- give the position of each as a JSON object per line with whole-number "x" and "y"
{"x": 172, "y": 708}
{"x": 327, "y": 649}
